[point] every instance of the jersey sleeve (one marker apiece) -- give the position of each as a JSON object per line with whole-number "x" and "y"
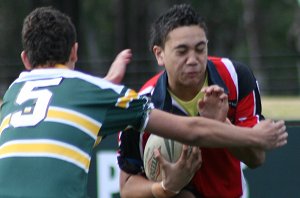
{"x": 249, "y": 109}
{"x": 131, "y": 142}
{"x": 129, "y": 155}
{"x": 129, "y": 111}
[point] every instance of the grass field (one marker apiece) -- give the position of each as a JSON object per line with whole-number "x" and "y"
{"x": 287, "y": 108}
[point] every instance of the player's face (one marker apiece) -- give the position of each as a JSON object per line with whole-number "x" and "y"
{"x": 185, "y": 57}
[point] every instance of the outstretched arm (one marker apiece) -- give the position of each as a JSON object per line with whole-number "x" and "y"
{"x": 247, "y": 109}
{"x": 117, "y": 69}
{"x": 210, "y": 133}
{"x": 253, "y": 157}
{"x": 214, "y": 105}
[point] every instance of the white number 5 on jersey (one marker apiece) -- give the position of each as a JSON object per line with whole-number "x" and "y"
{"x": 31, "y": 115}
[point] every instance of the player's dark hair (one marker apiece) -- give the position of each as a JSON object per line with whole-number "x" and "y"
{"x": 176, "y": 16}
{"x": 48, "y": 36}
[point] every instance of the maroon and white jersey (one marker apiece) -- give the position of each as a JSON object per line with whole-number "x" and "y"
{"x": 220, "y": 174}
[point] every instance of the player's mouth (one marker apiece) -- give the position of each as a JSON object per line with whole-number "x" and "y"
{"x": 192, "y": 74}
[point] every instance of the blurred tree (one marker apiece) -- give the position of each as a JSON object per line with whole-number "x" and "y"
{"x": 10, "y": 48}
{"x": 278, "y": 58}
{"x": 251, "y": 28}
{"x": 294, "y": 38}
{"x": 255, "y": 32}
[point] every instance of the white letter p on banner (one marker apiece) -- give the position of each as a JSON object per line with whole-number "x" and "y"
{"x": 107, "y": 174}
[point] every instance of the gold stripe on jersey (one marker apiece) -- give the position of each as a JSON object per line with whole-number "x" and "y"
{"x": 73, "y": 118}
{"x": 46, "y": 148}
{"x": 98, "y": 141}
{"x": 5, "y": 123}
{"x": 124, "y": 101}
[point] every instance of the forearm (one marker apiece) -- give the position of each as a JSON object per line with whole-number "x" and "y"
{"x": 252, "y": 157}
{"x": 117, "y": 69}
{"x": 200, "y": 131}
{"x": 136, "y": 186}
{"x": 114, "y": 78}
{"x": 219, "y": 134}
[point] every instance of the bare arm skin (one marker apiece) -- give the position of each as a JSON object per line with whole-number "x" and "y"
{"x": 128, "y": 187}
{"x": 214, "y": 105}
{"x": 251, "y": 156}
{"x": 210, "y": 133}
{"x": 129, "y": 190}
{"x": 117, "y": 69}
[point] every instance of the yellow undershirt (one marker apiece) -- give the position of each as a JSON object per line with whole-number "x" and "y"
{"x": 191, "y": 107}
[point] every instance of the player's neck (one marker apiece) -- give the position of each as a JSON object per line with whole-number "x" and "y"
{"x": 185, "y": 93}
{"x": 61, "y": 66}
{"x": 56, "y": 66}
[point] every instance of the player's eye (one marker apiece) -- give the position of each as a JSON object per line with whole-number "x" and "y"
{"x": 201, "y": 49}
{"x": 181, "y": 51}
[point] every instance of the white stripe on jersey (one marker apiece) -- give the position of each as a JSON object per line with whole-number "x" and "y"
{"x": 78, "y": 120}
{"x": 5, "y": 123}
{"x": 38, "y": 74}
{"x": 254, "y": 102}
{"x": 75, "y": 119}
{"x": 232, "y": 73}
{"x": 147, "y": 90}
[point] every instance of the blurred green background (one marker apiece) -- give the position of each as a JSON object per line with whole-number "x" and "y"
{"x": 264, "y": 34}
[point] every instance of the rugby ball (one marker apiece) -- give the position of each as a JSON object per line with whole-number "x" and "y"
{"x": 169, "y": 149}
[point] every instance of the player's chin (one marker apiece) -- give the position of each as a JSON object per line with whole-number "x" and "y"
{"x": 190, "y": 82}
{"x": 192, "y": 75}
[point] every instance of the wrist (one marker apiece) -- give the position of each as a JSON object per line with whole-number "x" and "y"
{"x": 160, "y": 191}
{"x": 168, "y": 190}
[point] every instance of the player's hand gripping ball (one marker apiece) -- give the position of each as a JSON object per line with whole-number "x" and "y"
{"x": 169, "y": 149}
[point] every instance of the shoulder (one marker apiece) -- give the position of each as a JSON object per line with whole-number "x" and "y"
{"x": 240, "y": 73}
{"x": 232, "y": 67}
{"x": 98, "y": 82}
{"x": 149, "y": 86}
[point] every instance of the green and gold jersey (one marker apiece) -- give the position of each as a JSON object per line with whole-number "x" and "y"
{"x": 51, "y": 119}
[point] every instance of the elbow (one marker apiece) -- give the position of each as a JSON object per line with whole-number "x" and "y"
{"x": 124, "y": 194}
{"x": 255, "y": 164}
{"x": 258, "y": 161}
{"x": 124, "y": 178}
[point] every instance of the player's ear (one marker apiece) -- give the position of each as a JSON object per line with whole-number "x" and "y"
{"x": 73, "y": 53}
{"x": 159, "y": 55}
{"x": 25, "y": 60}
